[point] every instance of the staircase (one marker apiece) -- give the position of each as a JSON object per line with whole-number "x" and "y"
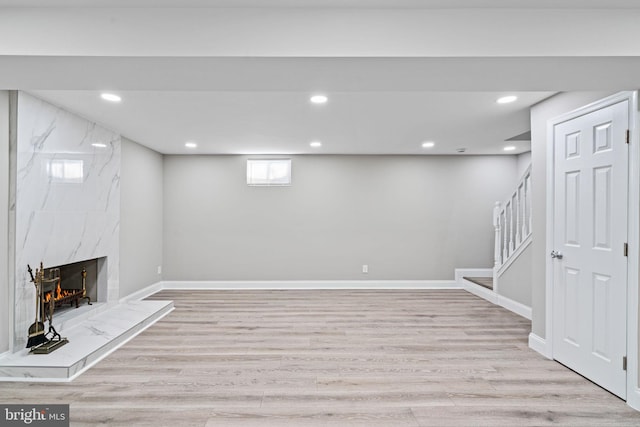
{"x": 512, "y": 224}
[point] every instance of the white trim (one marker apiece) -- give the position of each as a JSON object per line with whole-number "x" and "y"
{"x": 490, "y": 295}
{"x": 142, "y": 293}
{"x": 514, "y": 306}
{"x": 480, "y": 291}
{"x": 310, "y": 284}
{"x": 497, "y": 299}
{"x": 459, "y": 283}
{"x": 633, "y": 268}
{"x": 539, "y": 344}
{"x": 633, "y": 396}
{"x": 633, "y": 232}
{"x": 549, "y": 184}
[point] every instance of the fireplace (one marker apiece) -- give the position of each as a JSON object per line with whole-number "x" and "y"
{"x": 58, "y": 288}
{"x": 65, "y": 285}
{"x": 71, "y": 284}
{"x": 60, "y": 222}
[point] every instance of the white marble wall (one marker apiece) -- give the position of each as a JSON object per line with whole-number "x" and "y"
{"x": 67, "y": 199}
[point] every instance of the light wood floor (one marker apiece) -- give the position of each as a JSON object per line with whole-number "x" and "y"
{"x": 330, "y": 358}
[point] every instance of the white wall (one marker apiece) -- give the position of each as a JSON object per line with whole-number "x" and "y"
{"x": 515, "y": 282}
{"x": 140, "y": 217}
{"x": 524, "y": 161}
{"x": 4, "y": 221}
{"x": 540, "y": 114}
{"x": 405, "y": 217}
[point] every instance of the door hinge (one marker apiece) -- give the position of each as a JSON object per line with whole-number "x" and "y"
{"x": 628, "y": 135}
{"x": 626, "y": 249}
{"x": 624, "y": 363}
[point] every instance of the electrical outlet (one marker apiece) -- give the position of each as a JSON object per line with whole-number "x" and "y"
{"x": 365, "y": 268}
{"x": 159, "y": 269}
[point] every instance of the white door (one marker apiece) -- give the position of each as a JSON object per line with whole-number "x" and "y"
{"x": 590, "y": 233}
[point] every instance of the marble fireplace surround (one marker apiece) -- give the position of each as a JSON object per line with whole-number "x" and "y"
{"x": 65, "y": 208}
{"x": 65, "y": 198}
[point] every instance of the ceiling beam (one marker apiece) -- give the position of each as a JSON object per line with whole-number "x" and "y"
{"x": 306, "y": 32}
{"x": 331, "y": 74}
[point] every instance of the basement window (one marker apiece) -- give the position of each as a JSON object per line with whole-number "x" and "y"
{"x": 269, "y": 172}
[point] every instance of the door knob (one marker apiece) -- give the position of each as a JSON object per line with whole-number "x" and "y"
{"x": 556, "y": 254}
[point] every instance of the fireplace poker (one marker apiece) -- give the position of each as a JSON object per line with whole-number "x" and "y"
{"x": 36, "y": 330}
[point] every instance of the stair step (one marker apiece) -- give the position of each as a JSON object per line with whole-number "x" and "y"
{"x": 486, "y": 282}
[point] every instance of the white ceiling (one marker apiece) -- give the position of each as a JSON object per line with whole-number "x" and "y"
{"x": 238, "y": 82}
{"x": 286, "y": 122}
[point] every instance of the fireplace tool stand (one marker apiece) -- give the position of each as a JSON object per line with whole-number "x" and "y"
{"x": 47, "y": 287}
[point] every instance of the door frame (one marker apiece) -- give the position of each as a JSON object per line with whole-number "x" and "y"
{"x": 633, "y": 237}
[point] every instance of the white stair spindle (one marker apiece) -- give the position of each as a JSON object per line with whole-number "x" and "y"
{"x": 512, "y": 222}
{"x": 518, "y": 238}
{"x": 505, "y": 246}
{"x": 496, "y": 225}
{"x": 512, "y": 245}
{"x": 528, "y": 181}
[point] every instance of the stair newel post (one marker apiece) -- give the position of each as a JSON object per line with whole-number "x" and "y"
{"x": 496, "y": 226}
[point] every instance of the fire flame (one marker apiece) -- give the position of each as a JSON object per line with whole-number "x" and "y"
{"x": 59, "y": 294}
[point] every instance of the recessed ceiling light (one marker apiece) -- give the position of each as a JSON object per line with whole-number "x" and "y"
{"x": 428, "y": 144}
{"x": 506, "y": 99}
{"x": 191, "y": 145}
{"x": 99, "y": 145}
{"x": 111, "y": 97}
{"x": 319, "y": 99}
{"x": 509, "y": 148}
{"x": 316, "y": 144}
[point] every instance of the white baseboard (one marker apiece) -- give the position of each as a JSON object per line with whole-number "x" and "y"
{"x": 480, "y": 291}
{"x": 497, "y": 299}
{"x": 311, "y": 284}
{"x": 290, "y": 284}
{"x": 514, "y": 306}
{"x": 143, "y": 293}
{"x": 539, "y": 344}
{"x": 633, "y": 398}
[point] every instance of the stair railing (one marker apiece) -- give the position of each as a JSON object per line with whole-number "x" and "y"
{"x": 512, "y": 221}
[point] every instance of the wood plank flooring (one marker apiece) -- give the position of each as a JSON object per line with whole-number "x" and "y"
{"x": 330, "y": 358}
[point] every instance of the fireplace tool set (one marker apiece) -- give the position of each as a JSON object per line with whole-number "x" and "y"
{"x": 46, "y": 285}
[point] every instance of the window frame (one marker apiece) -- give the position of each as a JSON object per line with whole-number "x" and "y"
{"x": 253, "y": 181}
